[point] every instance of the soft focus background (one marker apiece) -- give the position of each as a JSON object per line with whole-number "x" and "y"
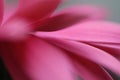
{"x": 113, "y": 7}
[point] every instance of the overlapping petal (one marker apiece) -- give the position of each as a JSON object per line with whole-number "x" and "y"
{"x": 37, "y": 60}
{"x": 89, "y": 31}
{"x": 89, "y": 52}
{"x": 74, "y": 39}
{"x": 89, "y": 70}
{"x": 111, "y": 48}
{"x": 72, "y": 15}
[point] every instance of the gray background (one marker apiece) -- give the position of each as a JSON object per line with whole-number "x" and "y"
{"x": 113, "y": 6}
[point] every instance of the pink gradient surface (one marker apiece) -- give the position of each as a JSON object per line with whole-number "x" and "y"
{"x": 76, "y": 41}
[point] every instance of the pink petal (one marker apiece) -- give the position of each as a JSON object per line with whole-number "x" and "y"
{"x": 89, "y": 31}
{"x": 112, "y": 48}
{"x": 70, "y": 16}
{"x": 34, "y": 10}
{"x": 89, "y": 70}
{"x": 89, "y": 52}
{"x": 36, "y": 60}
{"x": 1, "y": 11}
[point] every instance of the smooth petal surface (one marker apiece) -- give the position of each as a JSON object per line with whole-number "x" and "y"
{"x": 1, "y": 11}
{"x": 89, "y": 52}
{"x": 94, "y": 54}
{"x": 90, "y": 31}
{"x": 37, "y": 60}
{"x": 34, "y": 10}
{"x": 70, "y": 16}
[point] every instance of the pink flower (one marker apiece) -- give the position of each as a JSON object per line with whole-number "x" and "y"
{"x": 36, "y": 45}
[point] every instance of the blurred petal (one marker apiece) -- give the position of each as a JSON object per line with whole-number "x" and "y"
{"x": 70, "y": 16}
{"x": 89, "y": 70}
{"x": 9, "y": 10}
{"x": 34, "y": 10}
{"x": 89, "y": 11}
{"x": 1, "y": 11}
{"x": 90, "y": 31}
{"x": 37, "y": 60}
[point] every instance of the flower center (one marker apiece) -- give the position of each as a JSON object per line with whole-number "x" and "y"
{"x": 16, "y": 29}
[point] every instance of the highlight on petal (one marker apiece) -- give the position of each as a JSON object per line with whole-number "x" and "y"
{"x": 72, "y": 15}
{"x": 17, "y": 29}
{"x": 37, "y": 60}
{"x": 1, "y": 11}
{"x": 90, "y": 31}
{"x": 34, "y": 10}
